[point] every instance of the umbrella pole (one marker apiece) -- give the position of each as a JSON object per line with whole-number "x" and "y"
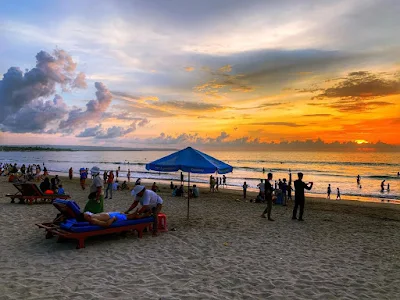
{"x": 188, "y": 194}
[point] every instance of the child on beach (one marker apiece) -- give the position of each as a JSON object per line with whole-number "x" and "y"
{"x": 245, "y": 186}
{"x": 60, "y": 190}
{"x": 338, "y": 195}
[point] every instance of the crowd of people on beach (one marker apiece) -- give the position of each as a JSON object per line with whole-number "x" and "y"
{"x": 277, "y": 192}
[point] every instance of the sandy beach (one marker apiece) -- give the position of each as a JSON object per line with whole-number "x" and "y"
{"x": 343, "y": 250}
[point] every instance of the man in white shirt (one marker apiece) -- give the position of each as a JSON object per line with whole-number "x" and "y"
{"x": 261, "y": 186}
{"x": 151, "y": 204}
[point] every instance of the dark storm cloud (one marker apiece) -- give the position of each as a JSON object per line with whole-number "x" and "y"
{"x": 18, "y": 89}
{"x": 36, "y": 116}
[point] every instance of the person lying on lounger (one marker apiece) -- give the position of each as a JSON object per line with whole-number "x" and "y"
{"x": 106, "y": 219}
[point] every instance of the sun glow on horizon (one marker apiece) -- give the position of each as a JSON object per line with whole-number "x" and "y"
{"x": 361, "y": 142}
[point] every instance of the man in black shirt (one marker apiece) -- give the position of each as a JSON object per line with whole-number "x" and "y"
{"x": 299, "y": 200}
{"x": 268, "y": 197}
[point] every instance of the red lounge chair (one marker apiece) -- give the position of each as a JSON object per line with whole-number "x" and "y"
{"x": 69, "y": 209}
{"x": 30, "y": 192}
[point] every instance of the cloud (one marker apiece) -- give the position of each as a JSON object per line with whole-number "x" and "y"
{"x": 99, "y": 132}
{"x": 223, "y": 82}
{"x": 357, "y": 92}
{"x": 189, "y": 69}
{"x": 18, "y": 89}
{"x": 112, "y": 132}
{"x": 317, "y": 115}
{"x": 80, "y": 81}
{"x": 94, "y": 108}
{"x": 288, "y": 124}
{"x": 36, "y": 116}
{"x": 362, "y": 85}
{"x": 152, "y": 106}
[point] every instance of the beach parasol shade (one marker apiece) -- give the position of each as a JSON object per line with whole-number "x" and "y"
{"x": 192, "y": 161}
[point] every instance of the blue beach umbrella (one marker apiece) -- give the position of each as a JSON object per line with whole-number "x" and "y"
{"x": 192, "y": 161}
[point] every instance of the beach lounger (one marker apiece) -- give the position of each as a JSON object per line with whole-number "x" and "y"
{"x": 29, "y": 192}
{"x": 80, "y": 231}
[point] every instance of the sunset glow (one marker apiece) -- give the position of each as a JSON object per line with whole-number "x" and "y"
{"x": 157, "y": 73}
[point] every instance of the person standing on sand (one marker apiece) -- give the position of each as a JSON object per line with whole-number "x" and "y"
{"x": 338, "y": 195}
{"x": 129, "y": 175}
{"x": 110, "y": 181}
{"x": 223, "y": 181}
{"x": 116, "y": 174}
{"x": 182, "y": 178}
{"x": 244, "y": 186}
{"x": 329, "y": 192}
{"x": 96, "y": 197}
{"x": 83, "y": 176}
{"x": 358, "y": 179}
{"x": 70, "y": 173}
{"x": 299, "y": 197}
{"x": 268, "y": 197}
{"x": 388, "y": 187}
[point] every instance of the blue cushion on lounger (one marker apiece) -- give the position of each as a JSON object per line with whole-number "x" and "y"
{"x": 72, "y": 205}
{"x": 75, "y": 226}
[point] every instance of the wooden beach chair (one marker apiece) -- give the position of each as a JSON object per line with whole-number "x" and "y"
{"x": 80, "y": 231}
{"x": 30, "y": 192}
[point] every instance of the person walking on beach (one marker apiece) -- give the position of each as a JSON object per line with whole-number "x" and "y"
{"x": 129, "y": 175}
{"x": 96, "y": 197}
{"x": 299, "y": 197}
{"x": 245, "y": 186}
{"x": 110, "y": 181}
{"x": 329, "y": 192}
{"x": 338, "y": 195}
{"x": 105, "y": 176}
{"x": 388, "y": 187}
{"x": 383, "y": 185}
{"x": 223, "y": 181}
{"x": 358, "y": 179}
{"x": 182, "y": 178}
{"x": 216, "y": 183}
{"x": 117, "y": 173}
{"x": 70, "y": 173}
{"x": 268, "y": 197}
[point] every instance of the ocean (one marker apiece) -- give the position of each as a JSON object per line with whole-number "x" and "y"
{"x": 322, "y": 168}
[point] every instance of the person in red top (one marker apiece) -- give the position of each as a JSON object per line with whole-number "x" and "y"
{"x": 110, "y": 181}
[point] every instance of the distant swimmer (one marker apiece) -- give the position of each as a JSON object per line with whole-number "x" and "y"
{"x": 338, "y": 195}
{"x": 383, "y": 185}
{"x": 329, "y": 192}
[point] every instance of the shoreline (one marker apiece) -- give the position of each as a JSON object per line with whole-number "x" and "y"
{"x": 344, "y": 197}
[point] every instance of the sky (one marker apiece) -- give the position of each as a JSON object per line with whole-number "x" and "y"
{"x": 220, "y": 74}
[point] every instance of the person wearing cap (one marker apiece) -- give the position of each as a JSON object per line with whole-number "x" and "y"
{"x": 96, "y": 197}
{"x": 151, "y": 204}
